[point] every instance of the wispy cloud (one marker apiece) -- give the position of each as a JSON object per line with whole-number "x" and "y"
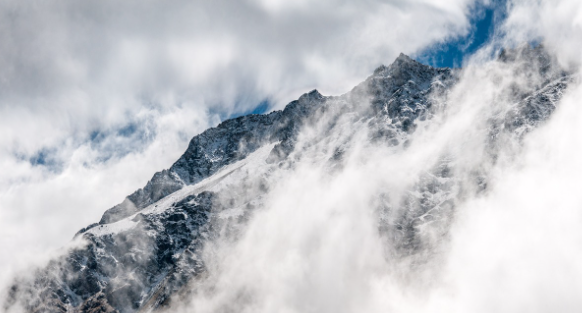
{"x": 96, "y": 96}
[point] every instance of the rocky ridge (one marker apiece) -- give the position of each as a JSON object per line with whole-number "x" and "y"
{"x": 146, "y": 250}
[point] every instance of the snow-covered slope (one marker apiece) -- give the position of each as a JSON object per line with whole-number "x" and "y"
{"x": 145, "y": 251}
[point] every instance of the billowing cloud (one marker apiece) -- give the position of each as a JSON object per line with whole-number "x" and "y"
{"x": 96, "y": 96}
{"x": 514, "y": 246}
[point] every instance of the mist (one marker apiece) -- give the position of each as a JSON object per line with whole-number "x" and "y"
{"x": 339, "y": 224}
{"x": 511, "y": 246}
{"x": 98, "y": 96}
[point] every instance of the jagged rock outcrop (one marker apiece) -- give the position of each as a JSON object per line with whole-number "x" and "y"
{"x": 210, "y": 151}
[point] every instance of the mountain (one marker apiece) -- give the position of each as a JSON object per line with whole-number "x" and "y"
{"x": 148, "y": 252}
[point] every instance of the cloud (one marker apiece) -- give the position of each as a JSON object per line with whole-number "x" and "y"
{"x": 96, "y": 96}
{"x": 512, "y": 247}
{"x": 517, "y": 248}
{"x": 558, "y": 24}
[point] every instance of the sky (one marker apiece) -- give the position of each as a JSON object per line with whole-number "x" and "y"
{"x": 97, "y": 96}
{"x": 452, "y": 52}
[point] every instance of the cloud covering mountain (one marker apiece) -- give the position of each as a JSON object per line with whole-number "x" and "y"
{"x": 420, "y": 189}
{"x": 97, "y": 96}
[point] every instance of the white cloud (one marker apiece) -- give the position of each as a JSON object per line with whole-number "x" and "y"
{"x": 74, "y": 70}
{"x": 150, "y": 75}
{"x": 518, "y": 248}
{"x": 513, "y": 248}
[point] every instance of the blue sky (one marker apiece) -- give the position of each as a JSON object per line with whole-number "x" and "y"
{"x": 453, "y": 52}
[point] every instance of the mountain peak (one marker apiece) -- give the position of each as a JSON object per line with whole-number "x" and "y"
{"x": 312, "y": 95}
{"x": 403, "y": 57}
{"x": 400, "y": 64}
{"x": 403, "y": 62}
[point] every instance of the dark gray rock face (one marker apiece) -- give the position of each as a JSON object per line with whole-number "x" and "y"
{"x": 432, "y": 200}
{"x": 125, "y": 269}
{"x": 404, "y": 89}
{"x": 162, "y": 184}
{"x": 145, "y": 250}
{"x": 402, "y": 93}
{"x": 210, "y": 151}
